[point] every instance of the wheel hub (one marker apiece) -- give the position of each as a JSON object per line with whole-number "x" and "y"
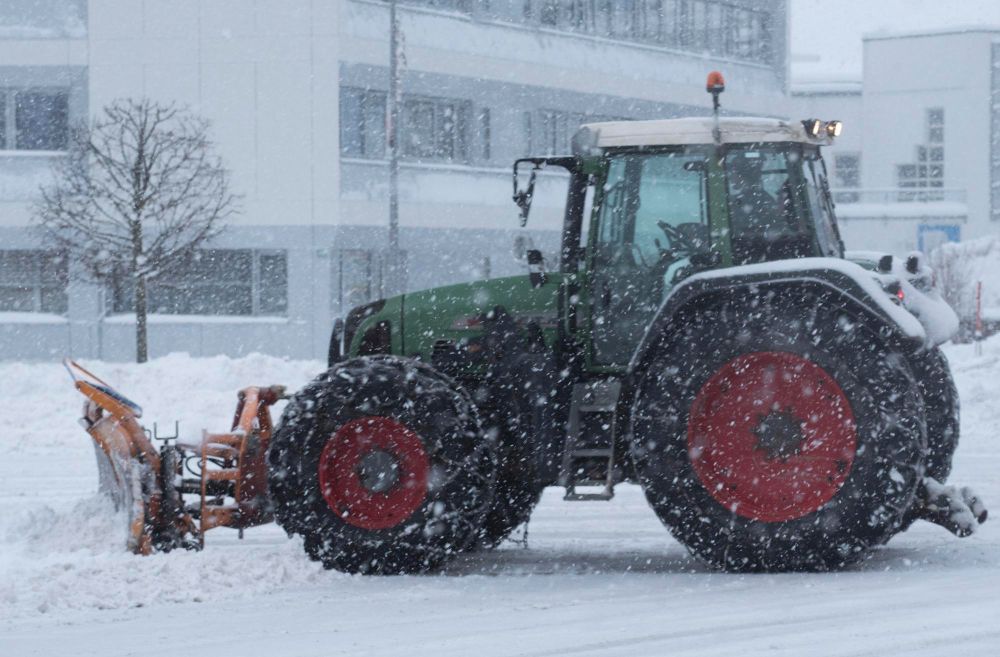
{"x": 378, "y": 471}
{"x": 771, "y": 436}
{"x": 779, "y": 435}
{"x": 373, "y": 472}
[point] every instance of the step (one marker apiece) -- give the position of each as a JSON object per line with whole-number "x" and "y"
{"x": 605, "y": 494}
{"x": 225, "y": 474}
{"x": 603, "y": 453}
{"x": 220, "y": 451}
{"x": 588, "y": 497}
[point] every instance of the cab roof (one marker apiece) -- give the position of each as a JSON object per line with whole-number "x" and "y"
{"x": 669, "y": 132}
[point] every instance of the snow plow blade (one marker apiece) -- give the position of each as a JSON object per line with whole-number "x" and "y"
{"x": 163, "y": 508}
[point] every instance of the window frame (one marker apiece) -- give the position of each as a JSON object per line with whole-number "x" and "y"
{"x": 121, "y": 289}
{"x": 600, "y": 208}
{"x": 724, "y": 28}
{"x": 9, "y": 112}
{"x": 38, "y": 284}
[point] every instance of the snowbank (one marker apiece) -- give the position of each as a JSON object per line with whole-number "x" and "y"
{"x": 596, "y": 578}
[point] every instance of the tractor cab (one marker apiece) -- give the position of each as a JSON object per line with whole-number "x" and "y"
{"x": 670, "y": 198}
{"x": 679, "y": 196}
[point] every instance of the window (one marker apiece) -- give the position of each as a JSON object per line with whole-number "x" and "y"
{"x": 927, "y": 173}
{"x": 766, "y": 214}
{"x": 446, "y": 5}
{"x": 34, "y": 120}
{"x": 847, "y": 176}
{"x": 215, "y": 282}
{"x": 435, "y": 128}
{"x": 549, "y": 131}
{"x": 719, "y": 27}
{"x": 33, "y": 281}
{"x": 430, "y": 128}
{"x": 485, "y": 133}
{"x": 653, "y": 217}
{"x": 362, "y": 123}
{"x": 817, "y": 190}
{"x": 43, "y": 19}
{"x": 360, "y": 275}
{"x": 935, "y": 126}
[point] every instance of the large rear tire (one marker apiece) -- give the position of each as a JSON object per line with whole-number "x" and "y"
{"x": 778, "y": 433}
{"x": 382, "y": 466}
{"x": 937, "y": 387}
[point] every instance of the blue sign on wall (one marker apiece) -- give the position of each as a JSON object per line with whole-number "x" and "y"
{"x": 931, "y": 236}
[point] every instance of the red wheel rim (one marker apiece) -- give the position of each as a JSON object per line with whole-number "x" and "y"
{"x": 771, "y": 436}
{"x": 373, "y": 472}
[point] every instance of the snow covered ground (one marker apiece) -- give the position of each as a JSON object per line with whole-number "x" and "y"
{"x": 596, "y": 578}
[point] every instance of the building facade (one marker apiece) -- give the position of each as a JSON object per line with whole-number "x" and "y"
{"x": 919, "y": 163}
{"x": 296, "y": 93}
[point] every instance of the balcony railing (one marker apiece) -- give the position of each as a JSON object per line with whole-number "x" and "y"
{"x": 896, "y": 195}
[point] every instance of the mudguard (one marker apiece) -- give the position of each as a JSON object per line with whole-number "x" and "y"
{"x": 853, "y": 286}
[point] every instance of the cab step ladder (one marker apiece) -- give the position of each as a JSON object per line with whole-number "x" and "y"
{"x": 589, "y": 455}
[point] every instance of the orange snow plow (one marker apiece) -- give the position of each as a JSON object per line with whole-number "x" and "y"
{"x": 173, "y": 495}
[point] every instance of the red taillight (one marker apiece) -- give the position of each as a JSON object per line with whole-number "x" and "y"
{"x": 900, "y": 294}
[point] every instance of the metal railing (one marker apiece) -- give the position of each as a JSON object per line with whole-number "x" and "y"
{"x": 897, "y": 195}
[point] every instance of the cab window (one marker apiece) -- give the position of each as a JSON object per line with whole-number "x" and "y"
{"x": 768, "y": 215}
{"x": 653, "y": 217}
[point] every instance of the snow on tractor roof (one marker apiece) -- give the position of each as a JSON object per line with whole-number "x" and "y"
{"x": 667, "y": 132}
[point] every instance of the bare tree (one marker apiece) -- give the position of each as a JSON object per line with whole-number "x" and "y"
{"x": 138, "y": 192}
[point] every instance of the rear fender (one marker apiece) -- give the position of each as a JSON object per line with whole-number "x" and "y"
{"x": 845, "y": 283}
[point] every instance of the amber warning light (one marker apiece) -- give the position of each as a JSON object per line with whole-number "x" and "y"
{"x": 716, "y": 84}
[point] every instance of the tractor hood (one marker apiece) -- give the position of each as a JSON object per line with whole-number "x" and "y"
{"x": 447, "y": 318}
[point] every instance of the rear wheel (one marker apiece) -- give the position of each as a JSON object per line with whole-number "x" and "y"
{"x": 937, "y": 387}
{"x": 793, "y": 442}
{"x": 381, "y": 465}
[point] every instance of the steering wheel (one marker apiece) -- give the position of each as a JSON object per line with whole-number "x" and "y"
{"x": 678, "y": 240}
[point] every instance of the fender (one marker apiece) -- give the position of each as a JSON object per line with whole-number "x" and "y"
{"x": 848, "y": 283}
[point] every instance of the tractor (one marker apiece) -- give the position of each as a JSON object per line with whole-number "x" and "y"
{"x": 783, "y": 406}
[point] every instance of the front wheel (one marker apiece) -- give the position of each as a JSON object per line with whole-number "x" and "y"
{"x": 382, "y": 467}
{"x": 778, "y": 434}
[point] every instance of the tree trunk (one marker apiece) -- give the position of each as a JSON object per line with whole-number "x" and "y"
{"x": 141, "y": 341}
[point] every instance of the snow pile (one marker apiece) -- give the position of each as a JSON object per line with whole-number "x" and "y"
{"x": 61, "y": 543}
{"x": 959, "y": 266}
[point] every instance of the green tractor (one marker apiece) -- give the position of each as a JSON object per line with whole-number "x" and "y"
{"x": 702, "y": 336}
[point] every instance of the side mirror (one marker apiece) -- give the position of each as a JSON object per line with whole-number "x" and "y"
{"x": 523, "y": 197}
{"x": 536, "y": 268}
